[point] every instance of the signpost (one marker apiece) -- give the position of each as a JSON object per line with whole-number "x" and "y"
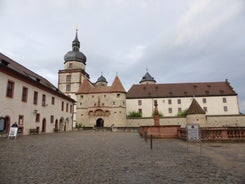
{"x": 193, "y": 134}
{"x": 13, "y": 132}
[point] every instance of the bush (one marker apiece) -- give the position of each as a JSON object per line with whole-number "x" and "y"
{"x": 134, "y": 114}
{"x": 182, "y": 114}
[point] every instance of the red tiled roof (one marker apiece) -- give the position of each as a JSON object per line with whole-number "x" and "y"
{"x": 195, "y": 108}
{"x": 180, "y": 90}
{"x": 85, "y": 87}
{"x": 88, "y": 87}
{"x": 117, "y": 85}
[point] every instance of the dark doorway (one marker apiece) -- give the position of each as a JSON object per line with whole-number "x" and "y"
{"x": 44, "y": 126}
{"x": 100, "y": 122}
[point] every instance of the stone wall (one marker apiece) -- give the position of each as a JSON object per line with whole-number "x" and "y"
{"x": 208, "y": 121}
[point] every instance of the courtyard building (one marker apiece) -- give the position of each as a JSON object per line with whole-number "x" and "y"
{"x": 215, "y": 98}
{"x": 31, "y": 101}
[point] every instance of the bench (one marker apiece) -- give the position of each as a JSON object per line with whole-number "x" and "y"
{"x": 34, "y": 131}
{"x": 56, "y": 130}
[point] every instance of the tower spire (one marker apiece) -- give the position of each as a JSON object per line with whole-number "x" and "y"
{"x": 76, "y": 43}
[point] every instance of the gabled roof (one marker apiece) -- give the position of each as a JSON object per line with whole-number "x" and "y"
{"x": 180, "y": 90}
{"x": 195, "y": 108}
{"x": 88, "y": 87}
{"x": 17, "y": 70}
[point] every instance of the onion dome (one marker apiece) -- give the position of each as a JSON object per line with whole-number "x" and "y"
{"x": 75, "y": 54}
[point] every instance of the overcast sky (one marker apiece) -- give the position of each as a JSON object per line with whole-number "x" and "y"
{"x": 176, "y": 40}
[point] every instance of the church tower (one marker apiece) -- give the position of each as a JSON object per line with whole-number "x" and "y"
{"x": 73, "y": 74}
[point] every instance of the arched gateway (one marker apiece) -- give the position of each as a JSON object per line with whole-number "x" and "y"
{"x": 99, "y": 122}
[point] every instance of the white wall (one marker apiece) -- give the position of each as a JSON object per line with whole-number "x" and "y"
{"x": 215, "y": 105}
{"x": 13, "y": 107}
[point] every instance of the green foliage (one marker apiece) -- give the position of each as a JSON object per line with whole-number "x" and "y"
{"x": 134, "y": 114}
{"x": 182, "y": 114}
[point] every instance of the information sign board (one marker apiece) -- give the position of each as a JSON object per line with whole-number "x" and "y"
{"x": 193, "y": 132}
{"x": 13, "y": 132}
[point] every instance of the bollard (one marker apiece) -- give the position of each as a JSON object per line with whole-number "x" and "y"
{"x": 145, "y": 136}
{"x": 151, "y": 142}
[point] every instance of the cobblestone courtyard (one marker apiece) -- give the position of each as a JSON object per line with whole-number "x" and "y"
{"x": 106, "y": 157}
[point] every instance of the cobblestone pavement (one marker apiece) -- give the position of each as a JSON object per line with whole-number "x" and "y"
{"x": 106, "y": 157}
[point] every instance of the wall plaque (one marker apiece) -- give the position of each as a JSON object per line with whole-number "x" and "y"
{"x": 193, "y": 132}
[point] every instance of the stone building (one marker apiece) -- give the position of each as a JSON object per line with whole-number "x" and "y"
{"x": 97, "y": 104}
{"x": 216, "y": 98}
{"x": 32, "y": 101}
{"x": 73, "y": 74}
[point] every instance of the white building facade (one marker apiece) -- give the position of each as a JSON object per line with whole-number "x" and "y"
{"x": 216, "y": 98}
{"x": 31, "y": 101}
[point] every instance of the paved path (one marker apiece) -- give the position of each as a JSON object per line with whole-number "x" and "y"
{"x": 106, "y": 157}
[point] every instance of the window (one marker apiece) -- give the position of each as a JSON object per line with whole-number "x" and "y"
{"x": 68, "y": 87}
{"x": 51, "y": 119}
{"x": 24, "y": 94}
{"x": 224, "y": 100}
{"x": 53, "y": 100}
{"x": 204, "y": 100}
{"x": 205, "y": 109}
{"x": 118, "y": 95}
{"x": 70, "y": 65}
{"x": 170, "y": 110}
{"x": 35, "y": 97}
{"x": 139, "y": 102}
{"x": 62, "y": 106}
{"x": 10, "y": 89}
{"x": 44, "y": 100}
{"x": 169, "y": 101}
{"x": 67, "y": 105}
{"x": 140, "y": 111}
{"x": 37, "y": 117}
{"x": 68, "y": 78}
{"x": 70, "y": 108}
{"x": 21, "y": 120}
{"x": 113, "y": 103}
{"x": 179, "y": 109}
{"x": 179, "y": 101}
{"x": 225, "y": 108}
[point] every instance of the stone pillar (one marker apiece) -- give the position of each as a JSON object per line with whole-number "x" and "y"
{"x": 156, "y": 115}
